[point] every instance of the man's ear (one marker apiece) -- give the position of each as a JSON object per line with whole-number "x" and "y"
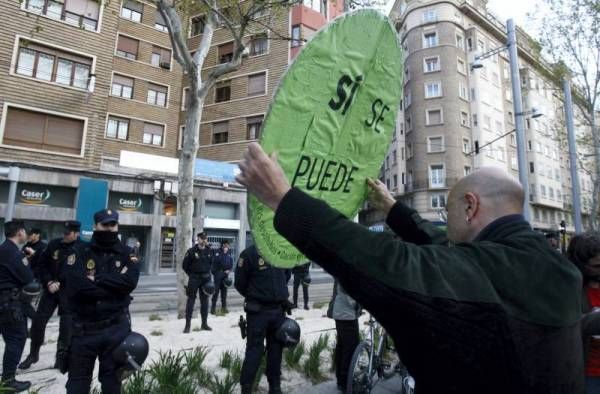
{"x": 472, "y": 205}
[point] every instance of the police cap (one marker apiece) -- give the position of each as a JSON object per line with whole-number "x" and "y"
{"x": 72, "y": 225}
{"x": 202, "y": 235}
{"x": 106, "y": 216}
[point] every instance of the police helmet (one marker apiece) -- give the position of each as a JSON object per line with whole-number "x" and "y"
{"x": 228, "y": 282}
{"x": 288, "y": 333}
{"x": 130, "y": 354}
{"x": 209, "y": 288}
{"x": 32, "y": 289}
{"x": 306, "y": 280}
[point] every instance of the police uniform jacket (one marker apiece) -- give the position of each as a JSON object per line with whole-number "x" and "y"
{"x": 500, "y": 314}
{"x": 38, "y": 249}
{"x": 13, "y": 273}
{"x": 116, "y": 273}
{"x": 259, "y": 281}
{"x": 53, "y": 260}
{"x": 222, "y": 262}
{"x": 198, "y": 261}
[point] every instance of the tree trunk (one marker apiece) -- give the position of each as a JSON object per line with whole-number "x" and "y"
{"x": 596, "y": 174}
{"x": 185, "y": 203}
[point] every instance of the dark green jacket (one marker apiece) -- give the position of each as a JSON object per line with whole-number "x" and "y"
{"x": 497, "y": 315}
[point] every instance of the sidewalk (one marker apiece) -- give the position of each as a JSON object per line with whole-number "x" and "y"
{"x": 390, "y": 386}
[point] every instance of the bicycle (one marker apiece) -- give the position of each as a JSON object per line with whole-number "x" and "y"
{"x": 372, "y": 362}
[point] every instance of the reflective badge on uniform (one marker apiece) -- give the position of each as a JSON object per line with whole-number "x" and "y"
{"x": 25, "y": 261}
{"x": 133, "y": 258}
{"x": 196, "y": 254}
{"x": 124, "y": 270}
{"x": 55, "y": 255}
{"x": 91, "y": 264}
{"x": 71, "y": 259}
{"x": 109, "y": 212}
{"x": 261, "y": 261}
{"x": 241, "y": 262}
{"x": 118, "y": 264}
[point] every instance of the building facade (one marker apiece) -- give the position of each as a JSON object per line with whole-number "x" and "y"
{"x": 458, "y": 118}
{"x": 84, "y": 84}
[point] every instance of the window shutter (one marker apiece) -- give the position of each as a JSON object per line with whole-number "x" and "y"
{"x": 225, "y": 49}
{"x": 121, "y": 80}
{"x": 220, "y": 127}
{"x": 24, "y": 128}
{"x": 132, "y": 5}
{"x": 256, "y": 84}
{"x": 65, "y": 134}
{"x": 128, "y": 45}
{"x": 157, "y": 88}
{"x": 154, "y": 129}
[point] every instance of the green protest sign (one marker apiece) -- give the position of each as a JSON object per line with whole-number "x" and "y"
{"x": 332, "y": 119}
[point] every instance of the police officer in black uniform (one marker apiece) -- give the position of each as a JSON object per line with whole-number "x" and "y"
{"x": 301, "y": 273}
{"x": 265, "y": 290}
{"x": 52, "y": 266}
{"x": 197, "y": 264}
{"x": 222, "y": 266}
{"x": 14, "y": 276}
{"x": 32, "y": 250}
{"x": 99, "y": 283}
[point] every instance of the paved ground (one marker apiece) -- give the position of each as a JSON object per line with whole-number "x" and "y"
{"x": 390, "y": 386}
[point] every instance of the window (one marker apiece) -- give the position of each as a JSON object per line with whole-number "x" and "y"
{"x": 153, "y": 134}
{"x": 406, "y": 73}
{"x": 185, "y": 98}
{"x": 296, "y": 36}
{"x": 500, "y": 154}
{"x": 466, "y": 146}
{"x": 408, "y": 124}
{"x": 429, "y": 15}
{"x": 499, "y": 128}
{"x": 316, "y": 5}
{"x": 514, "y": 164}
{"x": 538, "y": 147}
{"x": 197, "y": 25}
{"x": 433, "y": 117}
{"x": 435, "y": 144}
{"x": 159, "y": 22}
{"x": 557, "y": 174}
{"x": 475, "y": 120}
{"x": 395, "y": 177}
{"x": 410, "y": 179}
{"x": 487, "y": 122}
{"x": 81, "y": 13}
{"x": 495, "y": 78}
{"x": 531, "y": 167}
{"x": 407, "y": 99}
{"x": 430, "y": 40}
{"x": 220, "y": 133}
{"x": 461, "y": 66}
{"x": 161, "y": 57}
{"x": 433, "y": 89}
{"x": 543, "y": 190}
{"x": 431, "y": 64}
{"x": 551, "y": 193}
{"x": 38, "y": 130}
{"x": 256, "y": 84}
{"x": 409, "y": 150}
{"x": 225, "y": 52}
{"x": 395, "y": 157}
{"x": 387, "y": 162}
{"x": 511, "y": 118}
{"x": 436, "y": 175}
{"x": 460, "y": 42}
{"x": 122, "y": 86}
{"x": 470, "y": 43}
{"x": 438, "y": 201}
{"x": 464, "y": 118}
{"x": 402, "y": 153}
{"x": 463, "y": 92}
{"x": 223, "y": 91}
{"x": 117, "y": 128}
{"x": 466, "y": 170}
{"x": 51, "y": 65}
{"x": 258, "y": 45}
{"x": 403, "y": 178}
{"x": 513, "y": 140}
{"x": 127, "y": 47}
{"x": 253, "y": 126}
{"x": 157, "y": 95}
{"x": 132, "y": 10}
{"x": 480, "y": 45}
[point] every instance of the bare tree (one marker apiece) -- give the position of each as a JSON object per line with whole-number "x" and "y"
{"x": 570, "y": 35}
{"x": 239, "y": 19}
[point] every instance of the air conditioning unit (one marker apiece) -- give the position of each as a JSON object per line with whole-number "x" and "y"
{"x": 165, "y": 65}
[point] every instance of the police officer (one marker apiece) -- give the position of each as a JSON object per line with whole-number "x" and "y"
{"x": 264, "y": 288}
{"x": 53, "y": 262}
{"x": 222, "y": 265}
{"x": 301, "y": 277}
{"x": 99, "y": 283}
{"x": 33, "y": 250}
{"x": 197, "y": 265}
{"x": 14, "y": 275}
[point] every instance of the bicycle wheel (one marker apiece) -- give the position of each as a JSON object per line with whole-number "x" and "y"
{"x": 359, "y": 381}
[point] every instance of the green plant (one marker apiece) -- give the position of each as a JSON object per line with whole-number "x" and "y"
{"x": 225, "y": 359}
{"x": 154, "y": 317}
{"x": 236, "y": 367}
{"x": 156, "y": 333}
{"x": 259, "y": 374}
{"x": 320, "y": 304}
{"x": 138, "y": 383}
{"x": 313, "y": 362}
{"x": 194, "y": 360}
{"x": 168, "y": 371}
{"x": 225, "y": 385}
{"x": 293, "y": 355}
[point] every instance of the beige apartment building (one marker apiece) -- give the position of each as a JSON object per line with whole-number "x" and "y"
{"x": 449, "y": 110}
{"x": 90, "y": 90}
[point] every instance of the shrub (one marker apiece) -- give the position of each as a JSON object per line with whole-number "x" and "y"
{"x": 154, "y": 317}
{"x": 313, "y": 362}
{"x": 293, "y": 355}
{"x": 225, "y": 385}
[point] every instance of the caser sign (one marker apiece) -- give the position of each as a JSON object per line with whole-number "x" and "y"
{"x": 34, "y": 197}
{"x": 126, "y": 204}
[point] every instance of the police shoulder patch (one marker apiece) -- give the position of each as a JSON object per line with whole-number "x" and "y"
{"x": 91, "y": 264}
{"x": 261, "y": 261}
{"x": 25, "y": 261}
{"x": 241, "y": 262}
{"x": 71, "y": 259}
{"x": 196, "y": 255}
{"x": 118, "y": 264}
{"x": 55, "y": 255}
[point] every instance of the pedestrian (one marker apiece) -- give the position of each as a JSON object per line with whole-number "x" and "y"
{"x": 53, "y": 264}
{"x": 99, "y": 284}
{"x": 584, "y": 252}
{"x": 265, "y": 292}
{"x": 301, "y": 277}
{"x": 222, "y": 266}
{"x": 14, "y": 275}
{"x": 345, "y": 311}
{"x": 197, "y": 264}
{"x": 32, "y": 250}
{"x": 494, "y": 311}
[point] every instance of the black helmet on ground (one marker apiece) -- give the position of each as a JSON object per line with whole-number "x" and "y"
{"x": 227, "y": 281}
{"x": 130, "y": 354}
{"x": 209, "y": 288}
{"x": 288, "y": 333}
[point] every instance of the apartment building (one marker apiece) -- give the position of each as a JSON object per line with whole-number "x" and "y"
{"x": 90, "y": 91}
{"x": 458, "y": 118}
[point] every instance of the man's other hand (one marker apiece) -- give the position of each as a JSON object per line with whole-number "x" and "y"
{"x": 379, "y": 196}
{"x": 263, "y": 176}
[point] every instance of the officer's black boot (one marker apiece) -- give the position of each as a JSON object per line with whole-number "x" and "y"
{"x": 31, "y": 359}
{"x": 188, "y": 323}
{"x": 275, "y": 387}
{"x": 15, "y": 386}
{"x": 205, "y": 326}
{"x": 213, "y": 309}
{"x": 246, "y": 389}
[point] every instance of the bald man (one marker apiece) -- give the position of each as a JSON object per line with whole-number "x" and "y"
{"x": 493, "y": 311}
